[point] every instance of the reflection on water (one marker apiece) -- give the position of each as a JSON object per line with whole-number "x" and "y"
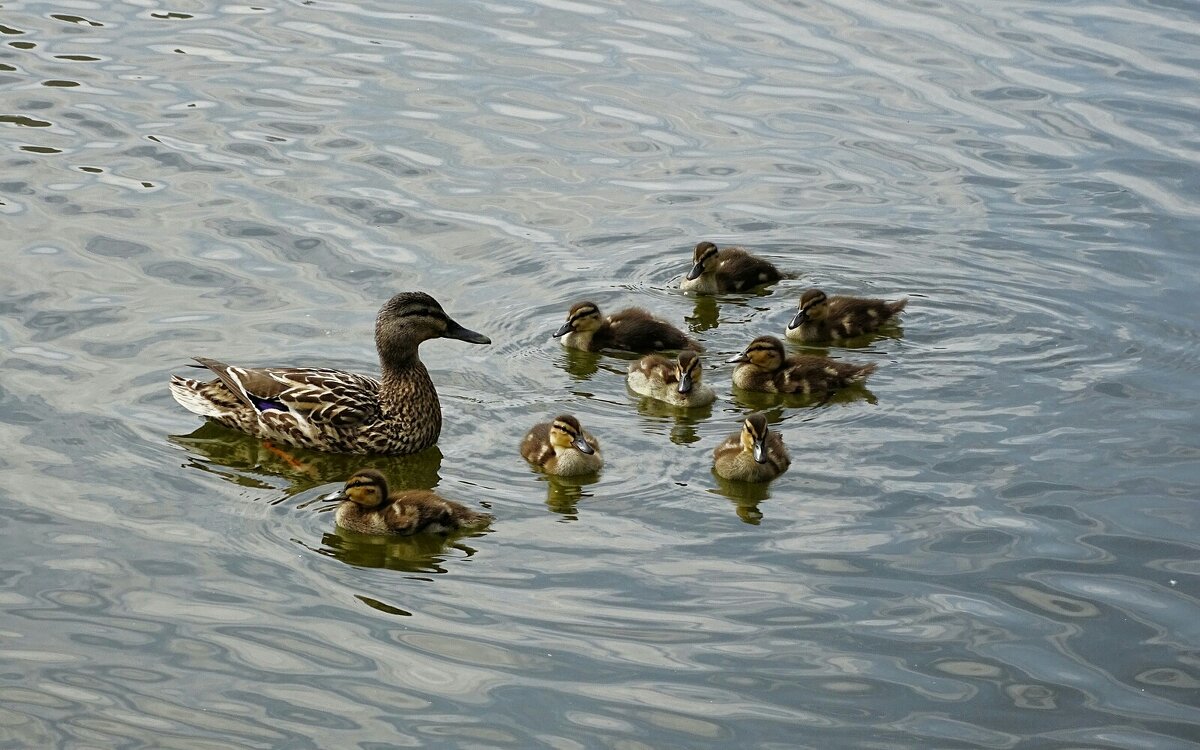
{"x": 993, "y": 546}
{"x": 684, "y": 420}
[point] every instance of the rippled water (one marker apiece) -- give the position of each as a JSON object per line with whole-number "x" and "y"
{"x": 993, "y": 546}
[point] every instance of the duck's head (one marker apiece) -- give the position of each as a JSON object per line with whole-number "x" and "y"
{"x": 366, "y": 487}
{"x": 754, "y": 436}
{"x": 687, "y": 370}
{"x": 566, "y": 432}
{"x": 702, "y": 259}
{"x": 409, "y": 318}
{"x": 765, "y": 352}
{"x": 584, "y": 317}
{"x": 812, "y": 307}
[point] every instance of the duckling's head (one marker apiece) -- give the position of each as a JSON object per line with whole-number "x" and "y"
{"x": 687, "y": 370}
{"x": 754, "y": 436}
{"x": 812, "y": 307}
{"x": 584, "y": 317}
{"x": 409, "y": 318}
{"x": 765, "y": 352}
{"x": 566, "y": 432}
{"x": 702, "y": 259}
{"x": 367, "y": 487}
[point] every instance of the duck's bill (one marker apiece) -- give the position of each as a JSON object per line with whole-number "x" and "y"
{"x": 563, "y": 329}
{"x": 760, "y": 451}
{"x": 335, "y": 497}
{"x": 583, "y": 445}
{"x": 695, "y": 272}
{"x": 738, "y": 359}
{"x": 685, "y": 383}
{"x": 455, "y": 331}
{"x": 799, "y": 320}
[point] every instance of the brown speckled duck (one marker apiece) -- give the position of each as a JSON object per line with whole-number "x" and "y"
{"x": 677, "y": 382}
{"x": 764, "y": 366}
{"x": 822, "y": 318}
{"x": 562, "y": 447}
{"x": 632, "y": 329}
{"x": 334, "y": 410}
{"x": 728, "y": 269}
{"x": 754, "y": 454}
{"x": 368, "y": 508}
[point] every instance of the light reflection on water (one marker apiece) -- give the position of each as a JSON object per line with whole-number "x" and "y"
{"x": 991, "y": 544}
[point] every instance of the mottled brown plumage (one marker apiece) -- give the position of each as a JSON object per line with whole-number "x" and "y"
{"x": 632, "y": 329}
{"x": 753, "y": 454}
{"x": 728, "y": 269}
{"x": 764, "y": 366}
{"x": 369, "y": 508}
{"x": 677, "y": 382}
{"x": 821, "y": 318}
{"x": 334, "y": 410}
{"x": 562, "y": 447}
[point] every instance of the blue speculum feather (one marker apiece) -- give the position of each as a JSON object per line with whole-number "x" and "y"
{"x": 263, "y": 404}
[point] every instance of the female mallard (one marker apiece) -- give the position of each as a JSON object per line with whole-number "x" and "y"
{"x": 755, "y": 454}
{"x": 676, "y": 382}
{"x": 368, "y": 508}
{"x": 632, "y": 329}
{"x": 763, "y": 366}
{"x": 333, "y": 410}
{"x": 823, "y": 318}
{"x": 562, "y": 448}
{"x": 729, "y": 269}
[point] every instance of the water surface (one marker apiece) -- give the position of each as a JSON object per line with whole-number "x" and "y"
{"x": 991, "y": 546}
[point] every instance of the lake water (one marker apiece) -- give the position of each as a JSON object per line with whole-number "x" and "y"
{"x": 994, "y": 545}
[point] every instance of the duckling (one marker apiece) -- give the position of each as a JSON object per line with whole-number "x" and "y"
{"x": 632, "y": 329}
{"x": 368, "y": 508}
{"x": 729, "y": 269}
{"x": 677, "y": 383}
{"x": 755, "y": 454}
{"x": 333, "y": 410}
{"x": 562, "y": 448}
{"x": 823, "y": 318}
{"x": 763, "y": 366}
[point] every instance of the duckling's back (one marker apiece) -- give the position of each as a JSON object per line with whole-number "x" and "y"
{"x": 636, "y": 330}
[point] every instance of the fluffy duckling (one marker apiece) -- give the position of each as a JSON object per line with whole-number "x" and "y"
{"x": 763, "y": 366}
{"x": 823, "y": 318}
{"x": 562, "y": 448}
{"x": 368, "y": 508}
{"x": 677, "y": 383}
{"x": 632, "y": 329}
{"x": 755, "y": 454}
{"x": 729, "y": 269}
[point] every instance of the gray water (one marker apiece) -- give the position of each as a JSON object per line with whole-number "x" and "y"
{"x": 993, "y": 545}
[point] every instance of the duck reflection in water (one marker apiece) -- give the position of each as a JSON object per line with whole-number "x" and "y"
{"x": 244, "y": 460}
{"x": 564, "y": 493}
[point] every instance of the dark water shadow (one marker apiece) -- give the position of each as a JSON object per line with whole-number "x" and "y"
{"x": 758, "y": 401}
{"x": 745, "y": 497}
{"x": 245, "y": 460}
{"x": 419, "y": 553}
{"x": 564, "y": 493}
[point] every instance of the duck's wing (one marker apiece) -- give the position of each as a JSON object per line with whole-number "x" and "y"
{"x": 317, "y": 395}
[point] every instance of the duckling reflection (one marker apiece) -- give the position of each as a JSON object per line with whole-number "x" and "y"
{"x": 244, "y": 460}
{"x": 745, "y": 496}
{"x": 684, "y": 420}
{"x": 564, "y": 493}
{"x": 579, "y": 364}
{"x": 420, "y": 553}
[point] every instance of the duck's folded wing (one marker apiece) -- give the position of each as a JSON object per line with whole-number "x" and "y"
{"x": 334, "y": 397}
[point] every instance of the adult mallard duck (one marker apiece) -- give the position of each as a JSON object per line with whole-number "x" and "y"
{"x": 676, "y": 382}
{"x": 334, "y": 410}
{"x": 764, "y": 366}
{"x": 632, "y": 329}
{"x": 728, "y": 269}
{"x": 562, "y": 447}
{"x": 822, "y": 318}
{"x": 754, "y": 454}
{"x": 369, "y": 508}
